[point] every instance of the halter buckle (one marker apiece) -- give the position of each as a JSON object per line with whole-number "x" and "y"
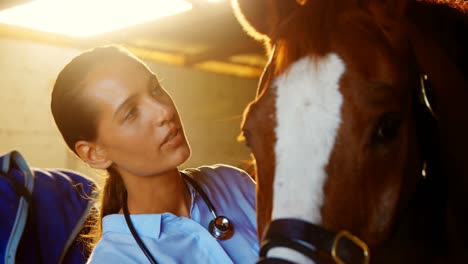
{"x": 424, "y": 97}
{"x": 356, "y": 240}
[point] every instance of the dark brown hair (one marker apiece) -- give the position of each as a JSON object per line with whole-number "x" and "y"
{"x": 76, "y": 118}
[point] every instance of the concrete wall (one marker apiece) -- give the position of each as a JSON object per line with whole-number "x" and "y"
{"x": 210, "y": 105}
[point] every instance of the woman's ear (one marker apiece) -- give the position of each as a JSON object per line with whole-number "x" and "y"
{"x": 93, "y": 154}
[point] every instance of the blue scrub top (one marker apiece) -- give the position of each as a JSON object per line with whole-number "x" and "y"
{"x": 173, "y": 239}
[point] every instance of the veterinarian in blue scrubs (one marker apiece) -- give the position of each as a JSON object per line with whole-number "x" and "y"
{"x": 114, "y": 114}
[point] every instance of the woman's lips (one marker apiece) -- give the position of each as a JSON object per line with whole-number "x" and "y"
{"x": 173, "y": 138}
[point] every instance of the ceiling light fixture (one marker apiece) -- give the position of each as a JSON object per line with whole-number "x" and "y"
{"x": 85, "y": 18}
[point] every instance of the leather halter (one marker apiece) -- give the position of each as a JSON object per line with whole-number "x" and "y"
{"x": 314, "y": 242}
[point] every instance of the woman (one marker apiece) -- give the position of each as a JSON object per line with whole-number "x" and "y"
{"x": 113, "y": 113}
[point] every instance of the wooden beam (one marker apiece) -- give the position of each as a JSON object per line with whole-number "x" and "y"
{"x": 176, "y": 59}
{"x": 4, "y": 4}
{"x": 222, "y": 52}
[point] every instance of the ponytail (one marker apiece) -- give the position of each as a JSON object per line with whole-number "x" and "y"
{"x": 111, "y": 199}
{"x": 112, "y": 193}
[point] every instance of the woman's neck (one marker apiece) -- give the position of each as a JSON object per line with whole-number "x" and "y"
{"x": 166, "y": 192}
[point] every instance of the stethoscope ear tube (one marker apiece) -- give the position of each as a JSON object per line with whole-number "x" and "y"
{"x": 133, "y": 231}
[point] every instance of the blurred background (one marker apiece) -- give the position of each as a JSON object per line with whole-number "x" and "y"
{"x": 207, "y": 63}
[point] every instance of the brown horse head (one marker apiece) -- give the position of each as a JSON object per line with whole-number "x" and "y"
{"x": 335, "y": 126}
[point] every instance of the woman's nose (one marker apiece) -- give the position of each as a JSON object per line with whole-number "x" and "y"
{"x": 160, "y": 113}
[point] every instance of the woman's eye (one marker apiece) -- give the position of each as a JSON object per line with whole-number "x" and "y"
{"x": 387, "y": 128}
{"x": 156, "y": 90}
{"x": 131, "y": 114}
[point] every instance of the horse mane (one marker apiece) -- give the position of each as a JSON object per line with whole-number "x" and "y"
{"x": 324, "y": 10}
{"x": 460, "y": 5}
{"x": 446, "y": 19}
{"x": 248, "y": 28}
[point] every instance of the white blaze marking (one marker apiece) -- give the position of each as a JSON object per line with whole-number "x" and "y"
{"x": 308, "y": 116}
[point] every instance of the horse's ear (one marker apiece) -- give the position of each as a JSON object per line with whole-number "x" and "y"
{"x": 260, "y": 17}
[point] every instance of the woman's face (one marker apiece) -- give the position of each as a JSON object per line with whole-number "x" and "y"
{"x": 139, "y": 127}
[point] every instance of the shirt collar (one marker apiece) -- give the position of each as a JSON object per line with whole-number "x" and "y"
{"x": 145, "y": 224}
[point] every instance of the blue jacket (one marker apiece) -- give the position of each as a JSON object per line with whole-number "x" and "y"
{"x": 42, "y": 212}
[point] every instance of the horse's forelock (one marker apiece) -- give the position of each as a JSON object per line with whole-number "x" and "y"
{"x": 255, "y": 30}
{"x": 259, "y": 19}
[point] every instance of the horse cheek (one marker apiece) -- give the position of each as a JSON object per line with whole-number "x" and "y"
{"x": 261, "y": 122}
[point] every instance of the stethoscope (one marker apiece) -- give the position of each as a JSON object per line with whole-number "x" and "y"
{"x": 220, "y": 227}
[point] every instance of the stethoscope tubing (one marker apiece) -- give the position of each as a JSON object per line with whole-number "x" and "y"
{"x": 134, "y": 233}
{"x": 207, "y": 201}
{"x": 201, "y": 192}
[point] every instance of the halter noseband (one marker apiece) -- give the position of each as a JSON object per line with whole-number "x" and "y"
{"x": 312, "y": 241}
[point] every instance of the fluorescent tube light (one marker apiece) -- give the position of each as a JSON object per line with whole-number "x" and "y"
{"x": 85, "y": 18}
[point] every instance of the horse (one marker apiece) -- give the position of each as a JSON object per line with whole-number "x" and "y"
{"x": 358, "y": 130}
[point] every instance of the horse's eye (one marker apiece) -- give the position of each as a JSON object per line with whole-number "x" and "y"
{"x": 387, "y": 128}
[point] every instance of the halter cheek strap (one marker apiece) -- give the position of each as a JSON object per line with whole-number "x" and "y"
{"x": 312, "y": 241}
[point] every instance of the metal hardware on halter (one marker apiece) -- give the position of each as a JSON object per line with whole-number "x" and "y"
{"x": 424, "y": 97}
{"x": 424, "y": 94}
{"x": 356, "y": 240}
{"x": 424, "y": 170}
{"x": 313, "y": 241}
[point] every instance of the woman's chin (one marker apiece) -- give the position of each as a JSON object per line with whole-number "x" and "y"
{"x": 184, "y": 153}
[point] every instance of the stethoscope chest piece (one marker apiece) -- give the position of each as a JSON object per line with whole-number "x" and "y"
{"x": 221, "y": 228}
